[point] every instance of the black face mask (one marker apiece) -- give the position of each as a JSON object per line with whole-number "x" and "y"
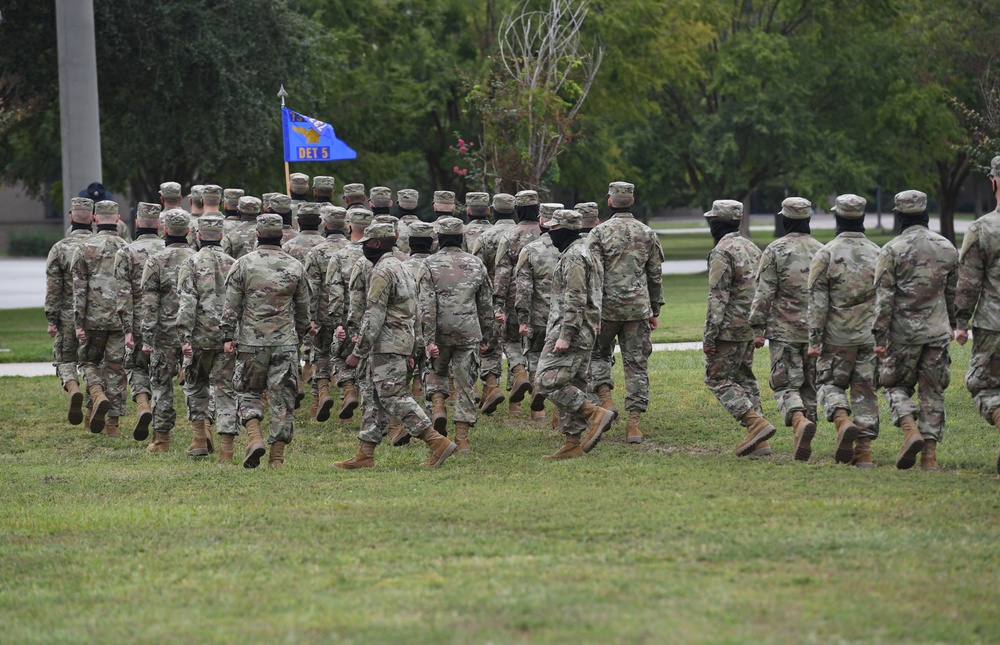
{"x": 308, "y": 227}
{"x": 499, "y": 216}
{"x": 206, "y": 243}
{"x": 145, "y": 231}
{"x": 585, "y": 231}
{"x": 445, "y": 241}
{"x": 845, "y": 225}
{"x": 914, "y": 219}
{"x": 527, "y": 213}
{"x": 380, "y": 210}
{"x": 299, "y": 196}
{"x": 404, "y": 212}
{"x": 268, "y": 241}
{"x": 420, "y": 245}
{"x": 77, "y": 226}
{"x": 231, "y": 212}
{"x": 721, "y": 228}
{"x": 621, "y": 209}
{"x": 323, "y": 199}
{"x": 795, "y": 225}
{"x": 286, "y": 218}
{"x": 107, "y": 227}
{"x": 374, "y": 255}
{"x": 563, "y": 237}
{"x": 175, "y": 239}
{"x": 339, "y": 231}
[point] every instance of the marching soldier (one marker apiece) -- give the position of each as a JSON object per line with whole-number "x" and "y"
{"x": 309, "y": 220}
{"x": 282, "y": 205}
{"x": 591, "y": 217}
{"x": 421, "y": 239}
{"x": 407, "y": 199}
{"x": 231, "y": 209}
{"x": 477, "y": 207}
{"x": 197, "y": 210}
{"x": 170, "y": 195}
{"x": 298, "y": 191}
{"x": 242, "y": 239}
{"x": 323, "y": 186}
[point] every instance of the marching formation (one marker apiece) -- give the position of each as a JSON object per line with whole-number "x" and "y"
{"x": 255, "y": 304}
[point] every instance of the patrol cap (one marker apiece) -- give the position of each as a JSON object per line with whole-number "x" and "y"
{"x": 589, "y": 212}
{"x": 450, "y": 226}
{"x": 334, "y": 217}
{"x": 910, "y": 202}
{"x": 106, "y": 207}
{"x": 995, "y": 167}
{"x": 850, "y": 206}
{"x": 407, "y": 198}
{"x": 422, "y": 229}
{"x": 147, "y": 210}
{"x": 526, "y": 198}
{"x": 386, "y": 218}
{"x": 621, "y": 193}
{"x": 210, "y": 226}
{"x": 268, "y": 224}
{"x": 545, "y": 210}
{"x": 477, "y": 199}
{"x": 176, "y": 221}
{"x": 170, "y": 190}
{"x": 795, "y": 208}
{"x": 210, "y": 191}
{"x": 323, "y": 184}
{"x": 83, "y": 204}
{"x": 265, "y": 200}
{"x": 249, "y": 205}
{"x": 309, "y": 213}
{"x": 354, "y": 191}
{"x": 565, "y": 218}
{"x": 503, "y": 203}
{"x": 281, "y": 203}
{"x": 299, "y": 182}
{"x": 197, "y": 191}
{"x": 379, "y": 230}
{"x": 445, "y": 197}
{"x": 359, "y": 216}
{"x": 726, "y": 210}
{"x": 232, "y": 197}
{"x": 380, "y": 196}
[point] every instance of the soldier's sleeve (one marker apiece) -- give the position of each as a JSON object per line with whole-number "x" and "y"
{"x": 232, "y": 310}
{"x": 374, "y": 318}
{"x": 335, "y": 291}
{"x": 524, "y": 286}
{"x": 81, "y": 276}
{"x": 484, "y": 306}
{"x": 720, "y": 277}
{"x": 427, "y": 301}
{"x": 654, "y": 275}
{"x": 187, "y": 298}
{"x": 53, "y": 286}
{"x": 950, "y": 287}
{"x": 300, "y": 304}
{"x": 763, "y": 298}
{"x": 150, "y": 305}
{"x": 477, "y": 249}
{"x": 356, "y": 296}
{"x": 312, "y": 277}
{"x": 575, "y": 298}
{"x": 885, "y": 294}
{"x": 819, "y": 297}
{"x": 123, "y": 297}
{"x": 971, "y": 269}
{"x": 227, "y": 245}
{"x": 502, "y": 276}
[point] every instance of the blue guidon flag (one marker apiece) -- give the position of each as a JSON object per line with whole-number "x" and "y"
{"x": 308, "y": 139}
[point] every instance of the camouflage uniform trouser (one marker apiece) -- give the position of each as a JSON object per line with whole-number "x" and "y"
{"x": 562, "y": 379}
{"x": 392, "y": 398}
{"x": 208, "y": 377}
{"x": 927, "y": 366}
{"x": 101, "y": 362}
{"x": 322, "y": 367}
{"x": 983, "y": 377}
{"x": 65, "y": 352}
{"x": 793, "y": 379}
{"x": 275, "y": 369}
{"x": 633, "y": 336}
{"x": 338, "y": 353}
{"x": 729, "y": 376}
{"x": 534, "y": 343}
{"x": 163, "y": 365}
{"x": 137, "y": 369}
{"x": 489, "y": 361}
{"x": 462, "y": 365}
{"x": 839, "y": 368}
{"x": 513, "y": 347}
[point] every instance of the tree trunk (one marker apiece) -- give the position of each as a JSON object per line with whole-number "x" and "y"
{"x": 951, "y": 176}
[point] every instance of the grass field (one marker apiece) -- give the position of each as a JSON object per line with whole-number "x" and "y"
{"x": 676, "y": 540}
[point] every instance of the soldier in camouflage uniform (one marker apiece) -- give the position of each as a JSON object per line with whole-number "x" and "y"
{"x": 841, "y": 310}
{"x": 485, "y": 249}
{"x": 574, "y": 316}
{"x": 387, "y": 340}
{"x": 98, "y": 326}
{"x": 231, "y": 209}
{"x": 915, "y": 281}
{"x": 309, "y": 235}
{"x": 532, "y": 292}
{"x": 421, "y": 239}
{"x": 196, "y": 197}
{"x": 728, "y": 340}
{"x": 632, "y": 258}
{"x": 208, "y": 370}
{"x": 129, "y": 264}
{"x": 298, "y": 194}
{"x": 407, "y": 199}
{"x": 508, "y": 249}
{"x": 170, "y": 196}
{"x": 456, "y": 313}
{"x": 780, "y": 304}
{"x": 979, "y": 291}
{"x": 590, "y": 214}
{"x": 282, "y": 205}
{"x": 265, "y": 320}
{"x": 477, "y": 207}
{"x": 59, "y": 303}
{"x": 242, "y": 239}
{"x": 158, "y": 323}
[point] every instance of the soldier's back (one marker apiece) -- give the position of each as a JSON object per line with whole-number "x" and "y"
{"x": 625, "y": 246}
{"x": 849, "y": 263}
{"x": 743, "y": 257}
{"x": 98, "y": 255}
{"x": 983, "y": 240}
{"x": 921, "y": 263}
{"x": 486, "y": 244}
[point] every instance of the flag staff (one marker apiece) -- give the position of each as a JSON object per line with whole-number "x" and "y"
{"x": 288, "y": 183}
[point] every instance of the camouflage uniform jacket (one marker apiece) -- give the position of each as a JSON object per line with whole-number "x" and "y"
{"x": 338, "y": 280}
{"x": 456, "y": 299}
{"x": 473, "y": 230}
{"x": 95, "y": 289}
{"x": 129, "y": 264}
{"x": 632, "y": 259}
{"x": 915, "y": 280}
{"x": 202, "y": 286}
{"x": 59, "y": 277}
{"x": 267, "y": 300}
{"x": 781, "y": 302}
{"x": 486, "y": 244}
{"x": 415, "y": 261}
{"x": 403, "y": 229}
{"x": 979, "y": 275}
{"x": 316, "y": 264}
{"x": 842, "y": 291}
{"x": 160, "y": 298}
{"x": 577, "y": 289}
{"x": 732, "y": 268}
{"x": 300, "y": 245}
{"x": 388, "y": 323}
{"x": 240, "y": 240}
{"x": 508, "y": 249}
{"x": 533, "y": 281}
{"x": 229, "y": 224}
{"x": 288, "y": 233}
{"x": 357, "y": 294}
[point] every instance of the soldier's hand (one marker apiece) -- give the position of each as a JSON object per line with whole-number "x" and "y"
{"x": 961, "y": 336}
{"x": 561, "y": 346}
{"x": 410, "y": 363}
{"x": 129, "y": 340}
{"x": 52, "y": 330}
{"x": 187, "y": 350}
{"x": 483, "y": 347}
{"x": 433, "y": 350}
{"x": 147, "y": 349}
{"x": 80, "y": 334}
{"x": 354, "y": 339}
{"x": 523, "y": 329}
{"x": 312, "y": 328}
{"x": 708, "y": 349}
{"x": 500, "y": 317}
{"x": 880, "y": 351}
{"x": 654, "y": 322}
{"x": 352, "y": 361}
{"x": 758, "y": 341}
{"x": 340, "y": 333}
{"x": 229, "y": 347}
{"x": 814, "y": 351}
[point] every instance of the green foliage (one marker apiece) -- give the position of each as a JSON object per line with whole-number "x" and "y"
{"x": 33, "y": 244}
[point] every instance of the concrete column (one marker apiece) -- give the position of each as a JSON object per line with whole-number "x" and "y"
{"x": 79, "y": 114}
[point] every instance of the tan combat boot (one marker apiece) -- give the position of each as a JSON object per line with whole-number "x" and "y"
{"x": 75, "y": 413}
{"x": 763, "y": 449}
{"x": 101, "y": 406}
{"x": 161, "y": 443}
{"x": 350, "y": 401}
{"x": 847, "y": 433}
{"x": 537, "y": 402}
{"x": 277, "y": 457}
{"x": 255, "y": 444}
{"x": 440, "y": 448}
{"x": 111, "y": 428}
{"x": 492, "y": 396}
{"x": 364, "y": 458}
{"x": 863, "y": 453}
{"x": 804, "y": 430}
{"x": 928, "y": 456}
{"x": 451, "y": 391}
{"x": 226, "y": 448}
{"x": 604, "y": 394}
{"x": 314, "y": 408}
{"x": 417, "y": 388}
{"x": 632, "y": 432}
{"x": 598, "y": 422}
{"x": 199, "y": 443}
{"x": 913, "y": 443}
{"x": 569, "y": 450}
{"x": 398, "y": 435}
{"x": 89, "y": 417}
{"x": 462, "y": 437}
{"x": 300, "y": 396}
{"x": 538, "y": 416}
{"x": 144, "y": 416}
{"x": 514, "y": 409}
{"x": 521, "y": 385}
{"x": 758, "y": 429}
{"x": 439, "y": 416}
{"x": 307, "y": 370}
{"x": 324, "y": 402}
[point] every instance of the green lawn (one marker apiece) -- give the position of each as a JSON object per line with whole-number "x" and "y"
{"x": 676, "y": 540}
{"x": 22, "y": 331}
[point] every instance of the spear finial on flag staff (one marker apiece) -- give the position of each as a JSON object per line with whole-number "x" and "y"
{"x": 288, "y": 182}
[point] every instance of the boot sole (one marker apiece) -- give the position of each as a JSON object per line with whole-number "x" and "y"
{"x": 75, "y": 413}
{"x": 537, "y": 403}
{"x": 843, "y": 451}
{"x": 253, "y": 459}
{"x": 907, "y": 457}
{"x": 208, "y": 441}
{"x": 517, "y": 394}
{"x": 100, "y": 410}
{"x": 492, "y": 404}
{"x": 763, "y": 435}
{"x": 606, "y": 421}
{"x": 198, "y": 452}
{"x": 347, "y": 412}
{"x": 402, "y": 439}
{"x": 802, "y": 449}
{"x": 441, "y": 423}
{"x": 762, "y": 452}
{"x": 452, "y": 447}
{"x": 633, "y": 439}
{"x": 325, "y": 406}
{"x": 141, "y": 430}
